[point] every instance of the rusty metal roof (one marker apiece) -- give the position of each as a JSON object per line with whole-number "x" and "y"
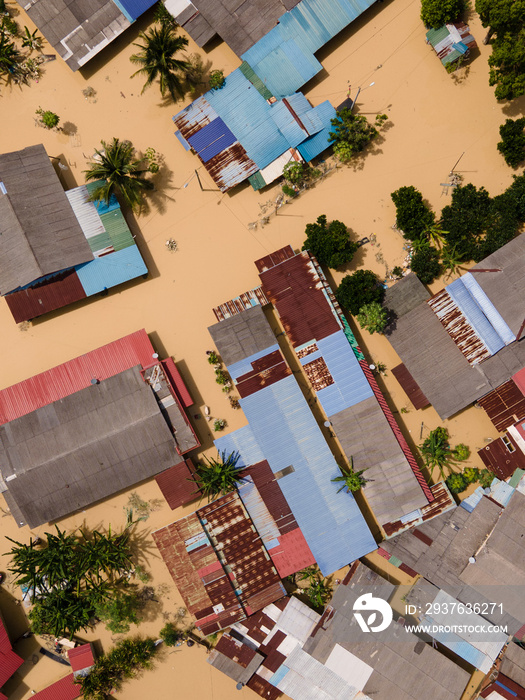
{"x": 274, "y": 258}
{"x": 219, "y": 564}
{"x": 176, "y": 486}
{"x": 265, "y": 371}
{"x": 500, "y": 460}
{"x": 410, "y": 387}
{"x": 504, "y": 405}
{"x": 443, "y": 501}
{"x": 241, "y": 303}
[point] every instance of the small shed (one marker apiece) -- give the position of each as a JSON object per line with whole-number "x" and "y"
{"x": 176, "y": 485}
{"x": 81, "y": 659}
{"x": 451, "y": 42}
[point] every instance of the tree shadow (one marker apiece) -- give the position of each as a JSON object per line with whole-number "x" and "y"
{"x": 69, "y": 129}
{"x": 514, "y": 108}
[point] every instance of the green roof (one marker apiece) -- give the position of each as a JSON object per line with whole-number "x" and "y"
{"x": 257, "y": 181}
{"x": 254, "y": 79}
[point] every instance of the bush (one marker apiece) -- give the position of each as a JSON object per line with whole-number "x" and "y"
{"x": 359, "y": 289}
{"x": 436, "y": 13}
{"x": 219, "y": 424}
{"x": 470, "y": 474}
{"x": 217, "y": 80}
{"x": 119, "y": 612}
{"x": 213, "y": 358}
{"x": 456, "y": 483}
{"x": 397, "y": 272}
{"x": 49, "y": 119}
{"x": 289, "y": 191}
{"x": 330, "y": 243}
{"x": 413, "y": 216}
{"x": 461, "y": 452}
{"x": 486, "y": 478}
{"x": 221, "y": 376}
{"x": 512, "y": 144}
{"x": 352, "y": 133}
{"x": 296, "y": 173}
{"x": 516, "y": 197}
{"x": 426, "y": 264}
{"x": 171, "y": 635}
{"x": 372, "y": 317}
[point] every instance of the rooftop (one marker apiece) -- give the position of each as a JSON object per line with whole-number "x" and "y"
{"x": 84, "y": 447}
{"x": 78, "y": 31}
{"x": 10, "y": 662}
{"x": 219, "y": 564}
{"x": 39, "y": 231}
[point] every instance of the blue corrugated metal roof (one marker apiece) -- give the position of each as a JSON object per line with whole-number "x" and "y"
{"x": 350, "y": 384}
{"x": 475, "y": 316}
{"x": 110, "y": 270}
{"x": 211, "y": 139}
{"x": 287, "y": 433}
{"x": 247, "y": 115}
{"x": 287, "y": 125}
{"x": 315, "y": 145}
{"x": 452, "y": 641}
{"x": 183, "y": 141}
{"x": 488, "y": 308}
{"x": 244, "y": 442}
{"x": 244, "y": 366}
{"x": 287, "y": 68}
{"x": 132, "y": 9}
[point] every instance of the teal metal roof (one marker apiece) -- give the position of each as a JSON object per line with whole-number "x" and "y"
{"x": 315, "y": 145}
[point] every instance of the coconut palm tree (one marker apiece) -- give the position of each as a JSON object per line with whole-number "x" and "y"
{"x": 157, "y": 60}
{"x": 10, "y": 57}
{"x": 350, "y": 479}
{"x": 435, "y": 234}
{"x": 122, "y": 173}
{"x": 217, "y": 477}
{"x": 451, "y": 260}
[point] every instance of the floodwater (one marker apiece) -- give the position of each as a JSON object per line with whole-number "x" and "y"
{"x": 434, "y": 119}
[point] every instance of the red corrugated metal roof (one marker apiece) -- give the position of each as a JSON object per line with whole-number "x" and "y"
{"x": 234, "y": 650}
{"x": 175, "y": 485}
{"x": 292, "y": 554}
{"x": 64, "y": 689}
{"x": 3, "y": 697}
{"x": 266, "y": 370}
{"x": 504, "y": 406}
{"x": 59, "y": 382}
{"x": 410, "y": 387}
{"x": 497, "y": 458}
{"x": 177, "y": 382}
{"x": 81, "y": 657}
{"x": 59, "y": 291}
{"x": 9, "y": 660}
{"x": 263, "y": 688}
{"x": 519, "y": 380}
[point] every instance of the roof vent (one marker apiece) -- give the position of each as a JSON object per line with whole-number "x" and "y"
{"x": 472, "y": 560}
{"x": 95, "y": 381}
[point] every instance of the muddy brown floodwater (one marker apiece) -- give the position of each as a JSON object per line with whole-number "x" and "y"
{"x": 434, "y": 119}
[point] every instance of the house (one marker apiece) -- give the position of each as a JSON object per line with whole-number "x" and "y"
{"x": 283, "y": 432}
{"x": 10, "y": 662}
{"x": 452, "y": 42}
{"x": 287, "y": 648}
{"x": 463, "y": 342}
{"x": 219, "y": 564}
{"x": 473, "y": 553}
{"x": 64, "y": 689}
{"x": 89, "y": 428}
{"x": 57, "y": 247}
{"x": 81, "y": 659}
{"x": 78, "y": 30}
{"x": 343, "y": 384}
{"x": 258, "y": 122}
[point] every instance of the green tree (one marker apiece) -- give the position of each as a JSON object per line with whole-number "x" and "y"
{"x": 162, "y": 16}
{"x": 217, "y": 477}
{"x": 171, "y": 635}
{"x": 466, "y": 219}
{"x": 486, "y": 478}
{"x": 319, "y": 592}
{"x": 425, "y": 264}
{"x": 413, "y": 216}
{"x": 512, "y": 144}
{"x": 158, "y": 62}
{"x": 456, "y": 482}
{"x": 10, "y": 57}
{"x": 359, "y": 289}
{"x": 330, "y": 243}
{"x": 436, "y": 451}
{"x": 350, "y": 479}
{"x": 436, "y": 13}
{"x": 373, "y": 317}
{"x": 507, "y": 65}
{"x": 68, "y": 575}
{"x": 461, "y": 452}
{"x": 352, "y": 133}
{"x": 121, "y": 171}
{"x": 450, "y": 260}
{"x": 296, "y": 173}
{"x": 217, "y": 80}
{"x": 516, "y": 197}
{"x": 32, "y": 40}
{"x": 120, "y": 611}
{"x": 470, "y": 474}
{"x": 501, "y": 15}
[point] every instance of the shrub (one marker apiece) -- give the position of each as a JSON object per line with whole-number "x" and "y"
{"x": 426, "y": 264}
{"x": 373, "y": 317}
{"x": 213, "y": 358}
{"x": 352, "y": 133}
{"x": 470, "y": 474}
{"x": 456, "y": 483}
{"x": 296, "y": 173}
{"x": 512, "y": 144}
{"x": 119, "y": 612}
{"x": 413, "y": 216}
{"x": 49, "y": 119}
{"x": 289, "y": 191}
{"x": 486, "y": 478}
{"x": 171, "y": 635}
{"x": 221, "y": 376}
{"x": 461, "y": 452}
{"x": 436, "y": 13}
{"x": 330, "y": 243}
{"x": 217, "y": 80}
{"x": 397, "y": 272}
{"x": 219, "y": 424}
{"x": 359, "y": 289}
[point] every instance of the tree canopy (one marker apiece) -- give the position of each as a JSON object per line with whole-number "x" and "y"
{"x": 372, "y": 317}
{"x": 425, "y": 264}
{"x": 359, "y": 289}
{"x": 436, "y": 13}
{"x": 330, "y": 243}
{"x": 413, "y": 216}
{"x": 352, "y": 133}
{"x": 217, "y": 477}
{"x": 512, "y": 144}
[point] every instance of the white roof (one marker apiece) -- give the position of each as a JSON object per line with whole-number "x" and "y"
{"x": 349, "y": 667}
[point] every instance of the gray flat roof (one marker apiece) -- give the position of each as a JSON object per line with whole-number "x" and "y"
{"x": 39, "y": 232}
{"x": 86, "y": 447}
{"x": 241, "y": 336}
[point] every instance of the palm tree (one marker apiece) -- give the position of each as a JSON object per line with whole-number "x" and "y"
{"x": 451, "y": 260}
{"x": 435, "y": 234}
{"x": 436, "y": 451}
{"x": 350, "y": 479}
{"x": 217, "y": 477}
{"x": 31, "y": 40}
{"x": 156, "y": 59}
{"x": 10, "y": 57}
{"x": 122, "y": 173}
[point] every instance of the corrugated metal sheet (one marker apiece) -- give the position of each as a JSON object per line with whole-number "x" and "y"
{"x": 110, "y": 270}
{"x": 244, "y": 442}
{"x": 275, "y": 169}
{"x": 290, "y": 127}
{"x": 288, "y": 434}
{"x": 81, "y": 657}
{"x": 86, "y": 213}
{"x": 57, "y": 291}
{"x": 117, "y": 230}
{"x": 274, "y": 258}
{"x": 254, "y": 79}
{"x": 264, "y": 371}
{"x": 194, "y": 117}
{"x": 76, "y": 374}
{"x": 133, "y": 9}
{"x": 494, "y": 317}
{"x": 230, "y": 167}
{"x": 500, "y": 460}
{"x": 410, "y": 387}
{"x": 211, "y": 140}
{"x": 316, "y": 144}
{"x": 504, "y": 406}
{"x": 451, "y": 41}
{"x": 177, "y": 382}
{"x": 457, "y": 326}
{"x": 241, "y": 303}
{"x": 64, "y": 689}
{"x": 9, "y": 660}
{"x": 176, "y": 486}
{"x": 443, "y": 502}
